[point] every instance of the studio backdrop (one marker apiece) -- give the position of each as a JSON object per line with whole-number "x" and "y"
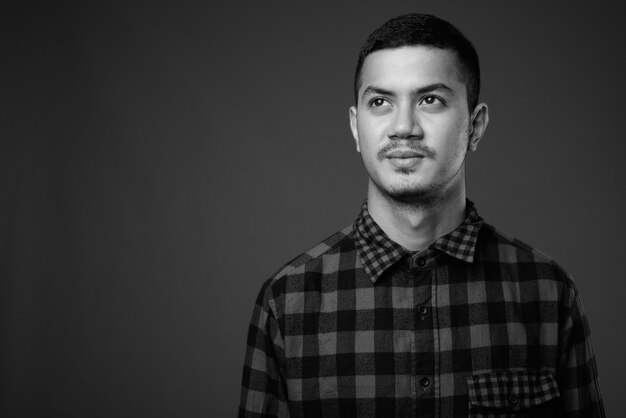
{"x": 159, "y": 161}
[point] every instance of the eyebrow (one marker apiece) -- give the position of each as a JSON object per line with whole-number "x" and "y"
{"x": 426, "y": 89}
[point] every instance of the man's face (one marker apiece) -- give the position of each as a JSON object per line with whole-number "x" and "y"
{"x": 411, "y": 122}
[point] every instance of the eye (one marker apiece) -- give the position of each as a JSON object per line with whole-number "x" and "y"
{"x": 378, "y": 102}
{"x": 431, "y": 101}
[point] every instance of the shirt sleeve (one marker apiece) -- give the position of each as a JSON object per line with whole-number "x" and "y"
{"x": 577, "y": 373}
{"x": 263, "y": 392}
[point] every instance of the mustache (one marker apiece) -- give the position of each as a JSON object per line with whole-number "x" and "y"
{"x": 427, "y": 152}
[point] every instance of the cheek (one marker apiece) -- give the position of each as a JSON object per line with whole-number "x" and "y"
{"x": 371, "y": 128}
{"x": 368, "y": 152}
{"x": 368, "y": 136}
{"x": 456, "y": 139}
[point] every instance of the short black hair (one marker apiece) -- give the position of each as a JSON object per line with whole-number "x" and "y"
{"x": 415, "y": 29}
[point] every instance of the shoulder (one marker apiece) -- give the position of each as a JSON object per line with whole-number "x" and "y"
{"x": 322, "y": 259}
{"x": 497, "y": 246}
{"x": 317, "y": 254}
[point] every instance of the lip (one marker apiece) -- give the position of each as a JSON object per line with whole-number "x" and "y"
{"x": 406, "y": 162}
{"x": 404, "y": 154}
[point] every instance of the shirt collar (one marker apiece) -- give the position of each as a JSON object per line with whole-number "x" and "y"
{"x": 378, "y": 252}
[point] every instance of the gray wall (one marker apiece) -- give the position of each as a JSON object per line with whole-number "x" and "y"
{"x": 157, "y": 163}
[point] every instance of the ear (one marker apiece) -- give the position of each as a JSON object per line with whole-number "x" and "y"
{"x": 354, "y": 128}
{"x": 480, "y": 119}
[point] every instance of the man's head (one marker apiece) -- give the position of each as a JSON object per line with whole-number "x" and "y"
{"x": 416, "y": 113}
{"x": 416, "y": 29}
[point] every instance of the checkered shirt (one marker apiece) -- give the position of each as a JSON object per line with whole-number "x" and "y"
{"x": 479, "y": 325}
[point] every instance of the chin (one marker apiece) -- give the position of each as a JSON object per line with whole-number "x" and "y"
{"x": 412, "y": 194}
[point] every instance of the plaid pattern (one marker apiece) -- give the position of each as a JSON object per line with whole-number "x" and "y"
{"x": 478, "y": 324}
{"x": 512, "y": 391}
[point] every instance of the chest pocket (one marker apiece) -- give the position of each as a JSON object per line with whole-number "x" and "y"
{"x": 528, "y": 393}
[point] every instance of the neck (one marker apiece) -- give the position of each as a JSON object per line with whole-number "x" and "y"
{"x": 417, "y": 224}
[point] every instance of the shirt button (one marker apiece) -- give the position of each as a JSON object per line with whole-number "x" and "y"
{"x": 425, "y": 382}
{"x": 513, "y": 399}
{"x": 423, "y": 311}
{"x": 421, "y": 262}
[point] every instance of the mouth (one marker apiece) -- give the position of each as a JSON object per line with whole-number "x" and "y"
{"x": 404, "y": 154}
{"x": 405, "y": 159}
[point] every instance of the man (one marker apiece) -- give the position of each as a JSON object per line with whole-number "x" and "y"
{"x": 419, "y": 308}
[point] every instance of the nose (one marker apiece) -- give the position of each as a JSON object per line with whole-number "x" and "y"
{"x": 405, "y": 125}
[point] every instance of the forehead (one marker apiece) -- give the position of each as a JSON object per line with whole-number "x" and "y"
{"x": 411, "y": 67}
